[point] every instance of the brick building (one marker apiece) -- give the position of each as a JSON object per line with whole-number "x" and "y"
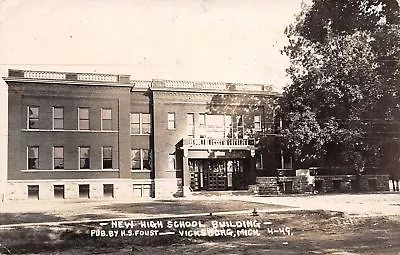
{"x": 81, "y": 135}
{"x": 73, "y": 135}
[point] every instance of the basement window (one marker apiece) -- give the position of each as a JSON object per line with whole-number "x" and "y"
{"x": 108, "y": 190}
{"x": 59, "y": 191}
{"x": 33, "y": 191}
{"x": 84, "y": 191}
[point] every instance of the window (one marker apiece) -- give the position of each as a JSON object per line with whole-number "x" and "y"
{"x": 217, "y": 125}
{"x": 142, "y": 190}
{"x": 33, "y": 117}
{"x": 171, "y": 162}
{"x": 84, "y": 158}
{"x": 140, "y": 123}
{"x": 202, "y": 119}
{"x": 140, "y": 159}
{"x": 33, "y": 191}
{"x": 107, "y": 157}
{"x": 257, "y": 123}
{"x": 202, "y": 125}
{"x": 33, "y": 157}
{"x": 58, "y": 118}
{"x": 108, "y": 190}
{"x": 84, "y": 191}
{"x": 237, "y": 127}
{"x": 190, "y": 124}
{"x": 171, "y": 120}
{"x": 58, "y": 157}
{"x": 106, "y": 119}
{"x": 259, "y": 161}
{"x": 145, "y": 118}
{"x": 59, "y": 191}
{"x": 83, "y": 114}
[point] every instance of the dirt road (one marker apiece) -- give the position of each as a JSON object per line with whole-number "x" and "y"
{"x": 331, "y": 224}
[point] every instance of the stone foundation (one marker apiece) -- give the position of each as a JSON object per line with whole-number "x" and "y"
{"x": 122, "y": 189}
{"x": 374, "y": 183}
{"x": 321, "y": 184}
{"x": 167, "y": 188}
{"x": 267, "y": 185}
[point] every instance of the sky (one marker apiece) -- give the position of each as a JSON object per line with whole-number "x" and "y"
{"x": 209, "y": 40}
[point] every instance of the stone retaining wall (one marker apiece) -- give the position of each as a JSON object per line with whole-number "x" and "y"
{"x": 320, "y": 184}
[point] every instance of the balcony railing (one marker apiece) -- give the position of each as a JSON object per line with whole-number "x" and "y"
{"x": 69, "y": 76}
{"x": 140, "y": 84}
{"x": 227, "y": 143}
{"x": 44, "y": 75}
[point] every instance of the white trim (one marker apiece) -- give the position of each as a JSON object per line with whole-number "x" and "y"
{"x": 27, "y": 158}
{"x": 140, "y": 134}
{"x": 52, "y": 158}
{"x": 140, "y": 171}
{"x": 75, "y": 170}
{"x": 27, "y": 117}
{"x": 52, "y": 125}
{"x": 70, "y": 130}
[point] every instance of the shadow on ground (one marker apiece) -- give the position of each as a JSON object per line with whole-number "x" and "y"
{"x": 16, "y": 218}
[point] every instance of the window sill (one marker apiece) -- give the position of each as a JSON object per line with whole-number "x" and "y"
{"x": 70, "y": 130}
{"x": 140, "y": 171}
{"x": 70, "y": 170}
{"x": 140, "y": 134}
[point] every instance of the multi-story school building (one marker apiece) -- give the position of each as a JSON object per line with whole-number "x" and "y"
{"x": 83, "y": 135}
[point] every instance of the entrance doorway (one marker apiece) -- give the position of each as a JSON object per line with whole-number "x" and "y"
{"x": 217, "y": 174}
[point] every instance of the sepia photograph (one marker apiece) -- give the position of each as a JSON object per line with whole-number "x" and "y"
{"x": 200, "y": 127}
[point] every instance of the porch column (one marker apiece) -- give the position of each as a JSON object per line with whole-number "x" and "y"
{"x": 186, "y": 174}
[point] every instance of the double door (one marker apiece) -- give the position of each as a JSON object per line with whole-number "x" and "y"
{"x": 213, "y": 174}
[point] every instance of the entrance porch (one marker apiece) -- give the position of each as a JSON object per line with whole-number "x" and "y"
{"x": 217, "y": 174}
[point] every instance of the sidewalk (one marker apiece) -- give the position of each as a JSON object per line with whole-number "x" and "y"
{"x": 71, "y": 211}
{"x": 350, "y": 204}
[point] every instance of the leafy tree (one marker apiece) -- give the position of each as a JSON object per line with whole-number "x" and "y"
{"x": 343, "y": 103}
